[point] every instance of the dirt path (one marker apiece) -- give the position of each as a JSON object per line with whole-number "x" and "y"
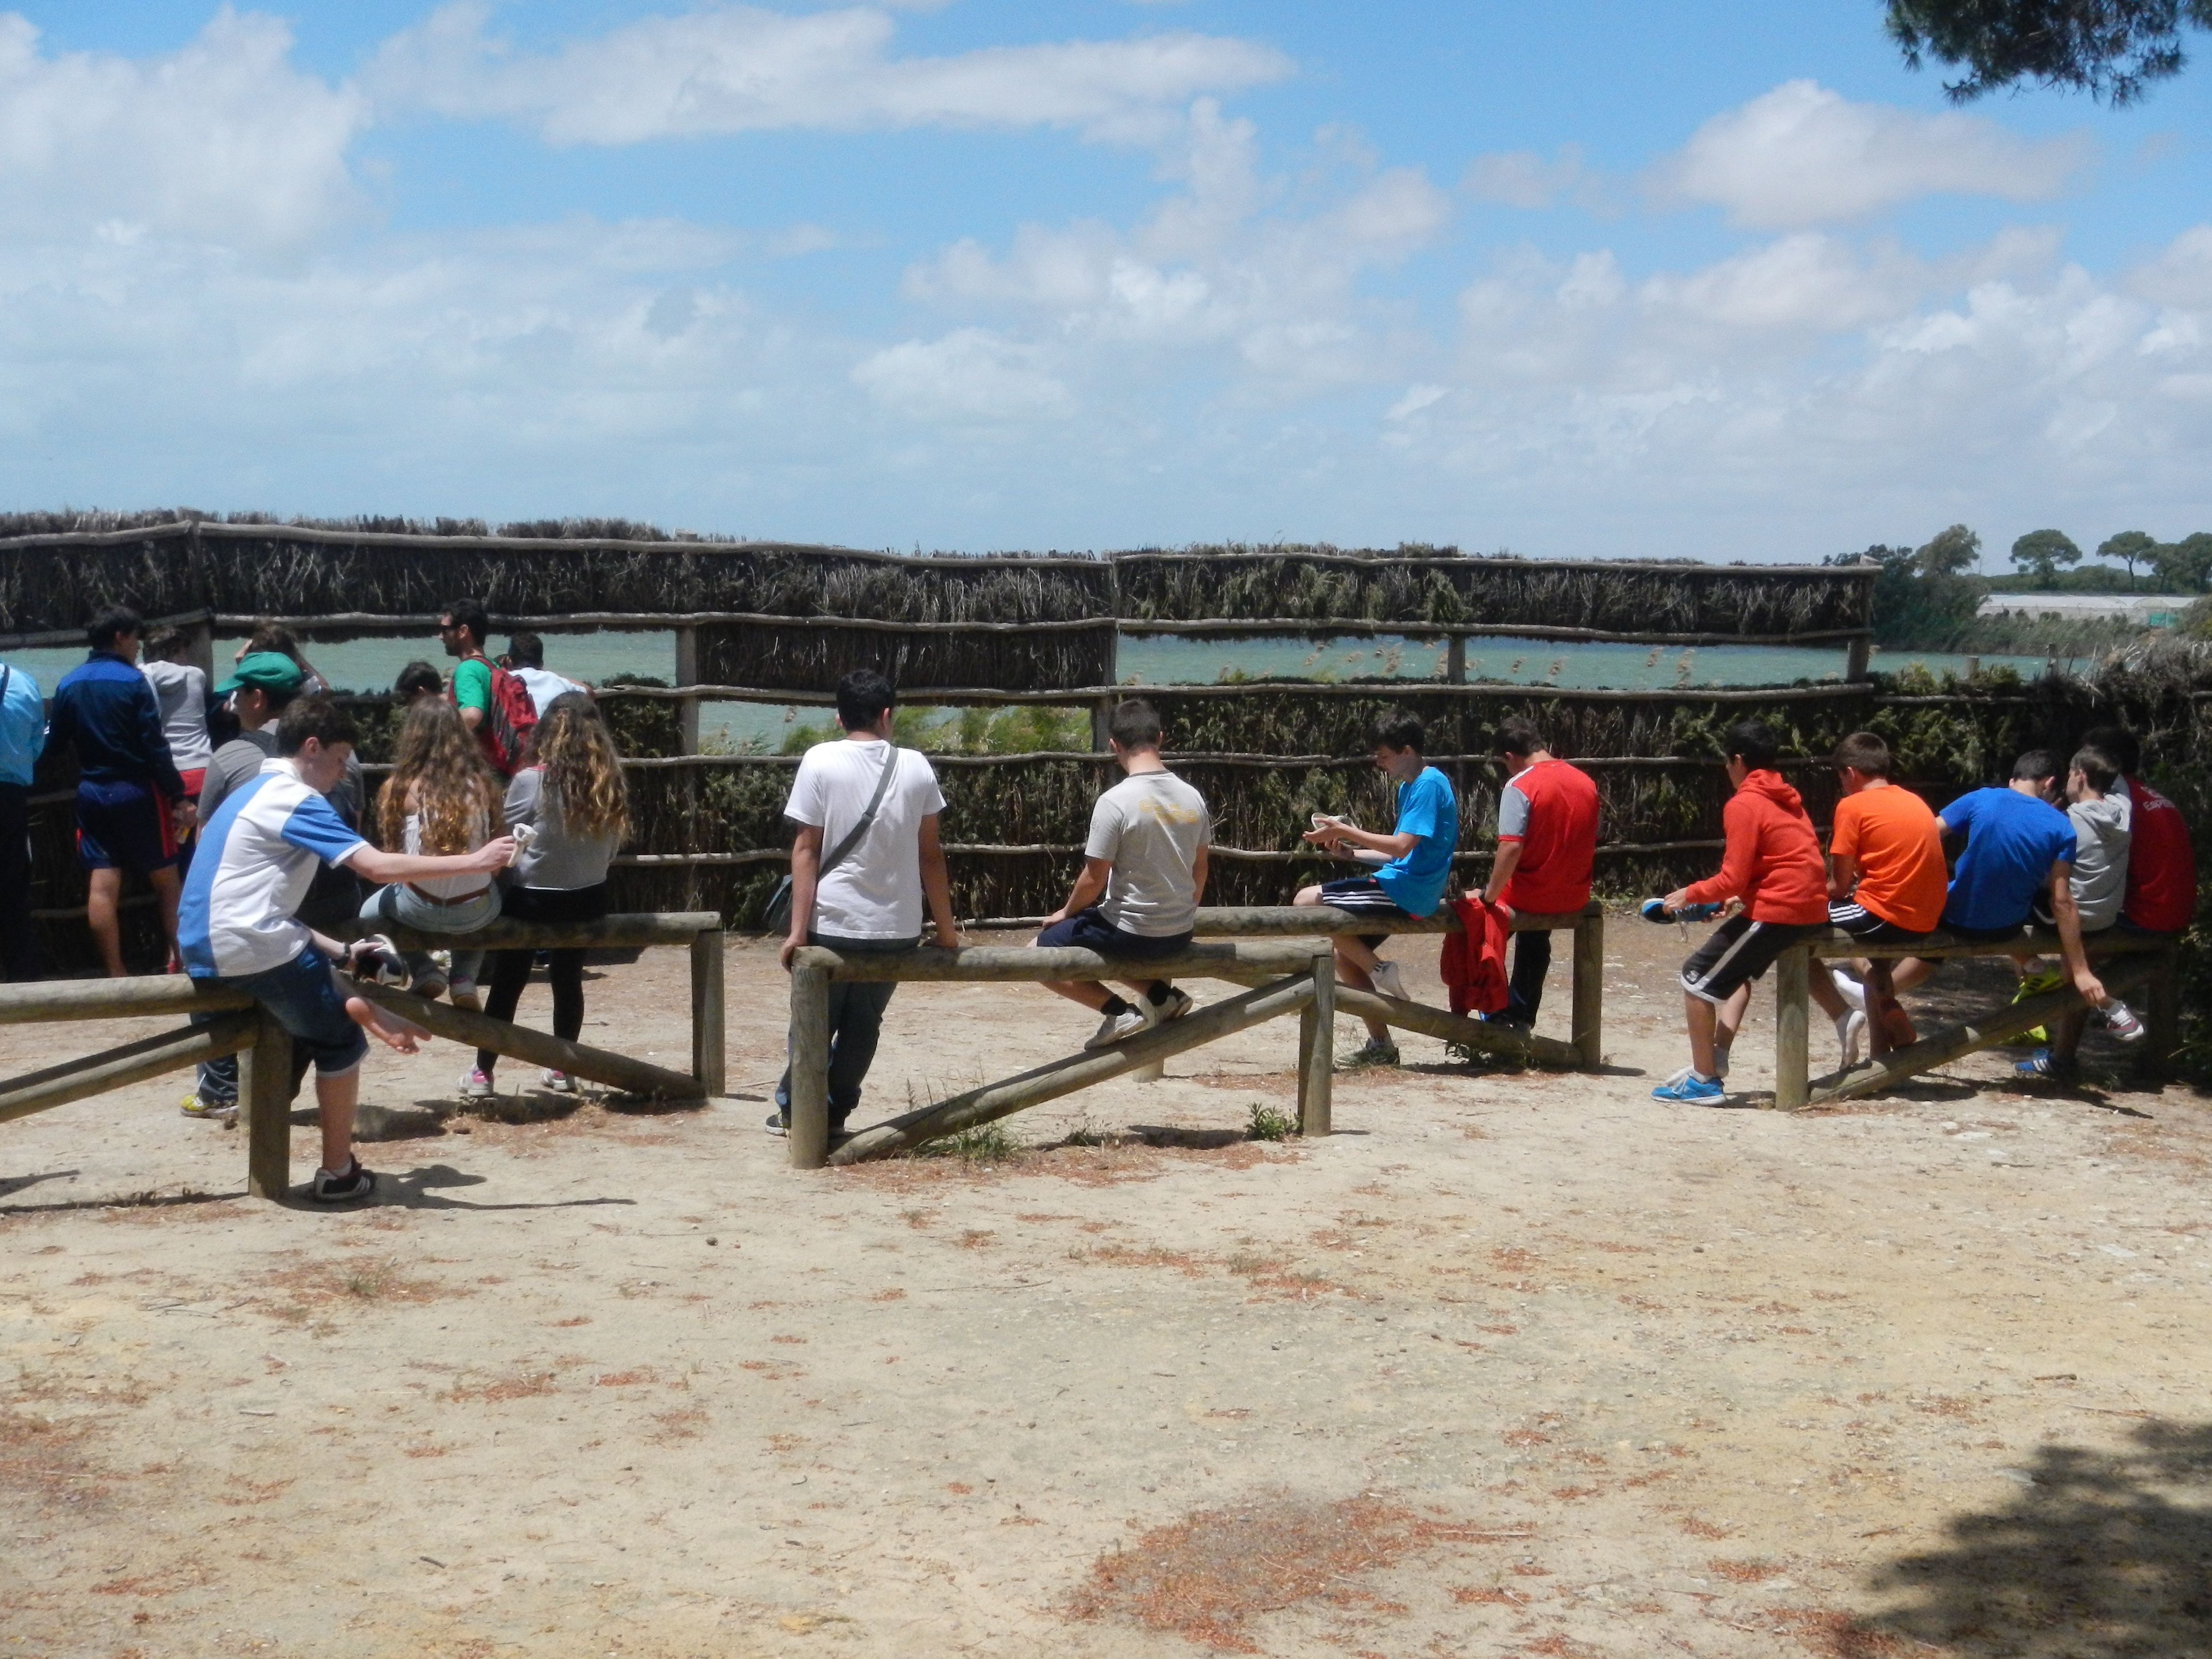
{"x": 1513, "y": 1363}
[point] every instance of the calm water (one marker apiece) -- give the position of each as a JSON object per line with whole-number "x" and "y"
{"x": 372, "y": 665}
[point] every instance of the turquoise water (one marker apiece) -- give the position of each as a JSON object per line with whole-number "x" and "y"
{"x": 371, "y": 664}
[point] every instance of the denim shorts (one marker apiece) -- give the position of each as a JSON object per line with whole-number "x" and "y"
{"x": 307, "y": 1004}
{"x": 1091, "y": 930}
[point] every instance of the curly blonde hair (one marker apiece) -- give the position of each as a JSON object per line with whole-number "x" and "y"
{"x": 583, "y": 773}
{"x": 438, "y": 773}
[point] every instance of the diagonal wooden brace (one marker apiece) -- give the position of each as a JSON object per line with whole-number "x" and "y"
{"x": 637, "y": 1076}
{"x": 115, "y": 1068}
{"x": 1941, "y": 1048}
{"x": 1063, "y": 1077}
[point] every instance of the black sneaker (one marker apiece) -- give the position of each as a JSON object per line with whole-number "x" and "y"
{"x": 776, "y": 1126}
{"x": 350, "y": 1187}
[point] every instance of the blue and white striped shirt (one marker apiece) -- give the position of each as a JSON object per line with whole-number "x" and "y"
{"x": 251, "y": 872}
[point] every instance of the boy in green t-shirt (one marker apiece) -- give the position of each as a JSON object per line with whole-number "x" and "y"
{"x": 462, "y": 628}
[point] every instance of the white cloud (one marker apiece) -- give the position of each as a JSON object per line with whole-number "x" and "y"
{"x": 728, "y": 69}
{"x": 1522, "y": 179}
{"x": 968, "y": 375}
{"x": 2181, "y": 275}
{"x": 1802, "y": 155}
{"x": 222, "y": 139}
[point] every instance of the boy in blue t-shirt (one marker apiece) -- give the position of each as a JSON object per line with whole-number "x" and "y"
{"x": 1413, "y": 862}
{"x": 2020, "y": 848}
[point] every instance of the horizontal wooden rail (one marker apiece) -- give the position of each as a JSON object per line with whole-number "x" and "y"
{"x": 1066, "y": 1076}
{"x": 1268, "y": 921}
{"x": 116, "y": 1068}
{"x": 615, "y": 932}
{"x": 1362, "y": 627}
{"x": 999, "y": 964}
{"x": 39, "y": 1000}
{"x": 989, "y": 696}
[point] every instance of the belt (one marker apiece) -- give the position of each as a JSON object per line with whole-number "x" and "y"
{"x": 446, "y": 903}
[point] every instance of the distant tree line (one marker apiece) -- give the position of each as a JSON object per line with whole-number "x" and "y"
{"x": 1928, "y": 598}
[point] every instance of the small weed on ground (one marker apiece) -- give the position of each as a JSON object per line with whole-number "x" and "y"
{"x": 987, "y": 1143}
{"x": 1270, "y": 1122}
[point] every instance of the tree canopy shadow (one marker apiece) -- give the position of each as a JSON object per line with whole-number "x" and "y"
{"x": 2107, "y": 1554}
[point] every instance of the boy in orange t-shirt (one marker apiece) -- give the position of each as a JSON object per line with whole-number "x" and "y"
{"x": 1885, "y": 879}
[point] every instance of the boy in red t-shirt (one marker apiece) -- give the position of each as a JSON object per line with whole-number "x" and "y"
{"x": 1886, "y": 885}
{"x": 1772, "y": 864}
{"x": 1547, "y": 840}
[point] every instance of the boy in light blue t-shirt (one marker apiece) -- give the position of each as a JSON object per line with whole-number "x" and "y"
{"x": 1414, "y": 862}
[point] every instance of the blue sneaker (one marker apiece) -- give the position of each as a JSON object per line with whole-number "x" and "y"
{"x": 1652, "y": 910}
{"x": 1686, "y": 1085}
{"x": 2043, "y": 1064}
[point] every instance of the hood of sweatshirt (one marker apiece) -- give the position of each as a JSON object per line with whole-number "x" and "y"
{"x": 1770, "y": 784}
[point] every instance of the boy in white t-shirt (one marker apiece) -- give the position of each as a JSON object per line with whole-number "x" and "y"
{"x": 1143, "y": 872}
{"x": 871, "y": 898}
{"x": 239, "y": 922}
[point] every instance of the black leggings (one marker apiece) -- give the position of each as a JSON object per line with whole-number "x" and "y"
{"x": 564, "y": 969}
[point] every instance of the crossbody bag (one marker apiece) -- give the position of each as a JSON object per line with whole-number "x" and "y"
{"x": 776, "y": 918}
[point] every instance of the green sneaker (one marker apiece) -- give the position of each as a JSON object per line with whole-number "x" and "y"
{"x": 193, "y": 1106}
{"x": 2034, "y": 984}
{"x": 1375, "y": 1051}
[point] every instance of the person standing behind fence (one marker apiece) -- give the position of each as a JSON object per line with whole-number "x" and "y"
{"x": 526, "y": 660}
{"x": 495, "y": 706}
{"x": 131, "y": 813}
{"x": 1546, "y": 843}
{"x": 1773, "y": 863}
{"x": 1415, "y": 861}
{"x": 22, "y": 739}
{"x": 572, "y": 801}
{"x": 240, "y": 926}
{"x": 1144, "y": 873}
{"x": 872, "y": 898}
{"x": 180, "y": 689}
{"x": 440, "y": 799}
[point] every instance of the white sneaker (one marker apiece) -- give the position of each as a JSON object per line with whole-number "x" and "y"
{"x": 559, "y": 1082}
{"x": 1388, "y": 982}
{"x": 1114, "y": 1027}
{"x": 1851, "y": 1032}
{"x": 2119, "y": 1019}
{"x": 475, "y": 1086}
{"x": 466, "y": 997}
{"x": 1177, "y": 1004}
{"x": 1849, "y": 989}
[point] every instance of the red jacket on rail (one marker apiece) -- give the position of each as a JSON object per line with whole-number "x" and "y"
{"x": 1473, "y": 963}
{"x": 1772, "y": 861}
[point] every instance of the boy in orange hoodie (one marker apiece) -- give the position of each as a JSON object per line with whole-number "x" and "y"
{"x": 1773, "y": 863}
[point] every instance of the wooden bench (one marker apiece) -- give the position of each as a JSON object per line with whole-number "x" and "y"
{"x": 1584, "y": 1048}
{"x": 265, "y": 1080}
{"x": 2138, "y": 958}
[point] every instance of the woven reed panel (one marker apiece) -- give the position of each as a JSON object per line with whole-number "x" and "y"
{"x": 810, "y": 656}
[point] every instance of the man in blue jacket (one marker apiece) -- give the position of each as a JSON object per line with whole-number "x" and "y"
{"x": 131, "y": 813}
{"x": 23, "y": 735}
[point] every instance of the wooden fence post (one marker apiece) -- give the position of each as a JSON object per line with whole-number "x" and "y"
{"x": 1855, "y": 664}
{"x": 1455, "y": 659}
{"x": 1792, "y": 1059}
{"x": 1587, "y": 1030}
{"x": 687, "y": 673}
{"x": 2162, "y": 1006}
{"x": 1317, "y": 1050}
{"x": 808, "y": 1132}
{"x": 710, "y": 1056}
{"x": 264, "y": 1101}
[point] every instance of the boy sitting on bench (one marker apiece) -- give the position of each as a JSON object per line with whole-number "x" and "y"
{"x": 1143, "y": 872}
{"x": 1772, "y": 864}
{"x": 239, "y": 922}
{"x": 1885, "y": 884}
{"x": 2020, "y": 848}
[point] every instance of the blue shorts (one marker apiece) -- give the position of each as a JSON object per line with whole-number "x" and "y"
{"x": 307, "y": 1004}
{"x": 1091, "y": 930}
{"x": 124, "y": 826}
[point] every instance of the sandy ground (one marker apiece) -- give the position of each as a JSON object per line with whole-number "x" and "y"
{"x": 1513, "y": 1363}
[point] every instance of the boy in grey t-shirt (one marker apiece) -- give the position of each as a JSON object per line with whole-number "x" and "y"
{"x": 2101, "y": 836}
{"x": 1144, "y": 870}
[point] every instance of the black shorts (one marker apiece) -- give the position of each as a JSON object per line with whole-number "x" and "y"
{"x": 1860, "y": 922}
{"x": 1363, "y": 896}
{"x": 1091, "y": 930}
{"x": 1739, "y": 952}
{"x": 1986, "y": 935}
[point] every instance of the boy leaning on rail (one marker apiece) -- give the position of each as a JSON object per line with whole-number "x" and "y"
{"x": 1144, "y": 873}
{"x": 873, "y": 807}
{"x": 1413, "y": 863}
{"x": 239, "y": 925}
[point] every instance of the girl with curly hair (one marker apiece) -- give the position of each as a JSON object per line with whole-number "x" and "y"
{"x": 571, "y": 797}
{"x": 438, "y": 799}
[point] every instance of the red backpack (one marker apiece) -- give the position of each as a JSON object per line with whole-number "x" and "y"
{"x": 504, "y": 733}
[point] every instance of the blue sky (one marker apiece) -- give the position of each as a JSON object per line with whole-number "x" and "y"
{"x": 1721, "y": 281}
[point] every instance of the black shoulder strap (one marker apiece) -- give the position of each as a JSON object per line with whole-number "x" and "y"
{"x": 853, "y": 836}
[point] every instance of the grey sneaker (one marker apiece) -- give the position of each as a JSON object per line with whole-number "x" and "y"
{"x": 1375, "y": 1051}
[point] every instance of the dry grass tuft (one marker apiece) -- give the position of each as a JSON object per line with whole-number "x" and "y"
{"x": 1207, "y": 1577}
{"x": 521, "y": 1385}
